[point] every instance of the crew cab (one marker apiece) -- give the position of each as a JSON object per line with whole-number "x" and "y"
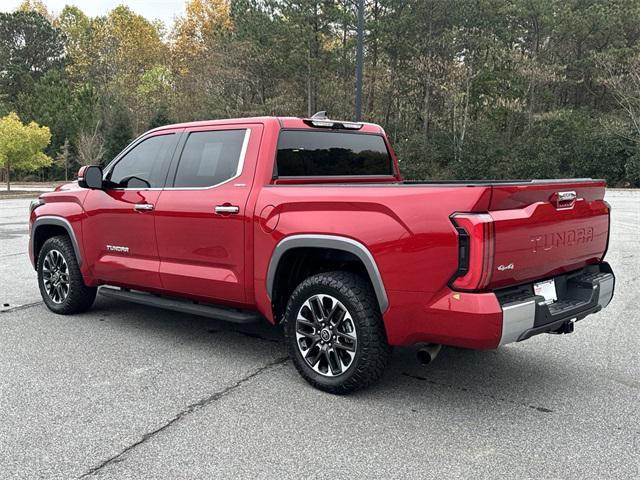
{"x": 308, "y": 222}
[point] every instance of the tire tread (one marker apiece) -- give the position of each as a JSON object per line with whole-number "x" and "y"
{"x": 372, "y": 340}
{"x": 81, "y": 297}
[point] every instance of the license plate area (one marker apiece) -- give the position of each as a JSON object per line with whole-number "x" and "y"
{"x": 546, "y": 289}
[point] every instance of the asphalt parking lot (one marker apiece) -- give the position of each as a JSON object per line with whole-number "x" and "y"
{"x": 130, "y": 392}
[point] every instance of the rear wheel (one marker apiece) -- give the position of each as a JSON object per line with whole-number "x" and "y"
{"x": 59, "y": 278}
{"x": 335, "y": 333}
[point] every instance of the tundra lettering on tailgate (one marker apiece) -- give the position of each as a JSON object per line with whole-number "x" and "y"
{"x": 568, "y": 238}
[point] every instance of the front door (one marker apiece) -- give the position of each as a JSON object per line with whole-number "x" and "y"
{"x": 119, "y": 227}
{"x": 201, "y": 217}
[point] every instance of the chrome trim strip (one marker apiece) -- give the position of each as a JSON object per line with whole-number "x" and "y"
{"x": 243, "y": 153}
{"x": 334, "y": 242}
{"x": 517, "y": 318}
{"x": 143, "y": 206}
{"x": 227, "y": 209}
{"x": 58, "y": 221}
{"x": 606, "y": 291}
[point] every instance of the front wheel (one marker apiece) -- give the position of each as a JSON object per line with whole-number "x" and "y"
{"x": 59, "y": 278}
{"x": 335, "y": 333}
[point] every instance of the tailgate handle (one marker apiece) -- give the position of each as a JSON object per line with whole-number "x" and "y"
{"x": 564, "y": 200}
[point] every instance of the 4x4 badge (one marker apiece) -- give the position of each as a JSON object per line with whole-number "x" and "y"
{"x": 502, "y": 268}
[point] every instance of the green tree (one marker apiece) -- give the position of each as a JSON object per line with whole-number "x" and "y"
{"x": 161, "y": 118}
{"x": 22, "y": 145}
{"x": 29, "y": 47}
{"x": 132, "y": 47}
{"x": 83, "y": 37}
{"x": 155, "y": 93}
{"x": 56, "y": 102}
{"x": 51, "y": 102}
{"x": 37, "y": 6}
{"x": 488, "y": 88}
{"x": 201, "y": 64}
{"x": 119, "y": 132}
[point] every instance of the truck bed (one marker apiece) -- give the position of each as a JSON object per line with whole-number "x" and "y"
{"x": 532, "y": 237}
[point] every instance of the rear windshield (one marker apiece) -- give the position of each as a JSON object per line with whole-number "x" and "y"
{"x": 308, "y": 153}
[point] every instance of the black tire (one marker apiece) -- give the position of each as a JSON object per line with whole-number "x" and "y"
{"x": 372, "y": 351}
{"x": 79, "y": 297}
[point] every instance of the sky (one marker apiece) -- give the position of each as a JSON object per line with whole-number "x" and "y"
{"x": 164, "y": 10}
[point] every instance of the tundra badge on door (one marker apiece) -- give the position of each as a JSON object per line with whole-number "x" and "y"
{"x": 118, "y": 248}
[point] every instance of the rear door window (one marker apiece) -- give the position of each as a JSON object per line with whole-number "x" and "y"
{"x": 308, "y": 153}
{"x": 210, "y": 158}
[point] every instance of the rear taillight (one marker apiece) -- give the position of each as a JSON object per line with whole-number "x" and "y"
{"x": 476, "y": 247}
{"x": 606, "y": 248}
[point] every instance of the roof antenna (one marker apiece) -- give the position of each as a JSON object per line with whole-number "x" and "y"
{"x": 321, "y": 115}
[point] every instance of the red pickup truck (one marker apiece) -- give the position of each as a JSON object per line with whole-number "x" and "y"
{"x": 307, "y": 222}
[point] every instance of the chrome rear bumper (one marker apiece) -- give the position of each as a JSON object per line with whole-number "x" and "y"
{"x": 580, "y": 293}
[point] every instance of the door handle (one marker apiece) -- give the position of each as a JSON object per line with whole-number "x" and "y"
{"x": 143, "y": 207}
{"x": 227, "y": 209}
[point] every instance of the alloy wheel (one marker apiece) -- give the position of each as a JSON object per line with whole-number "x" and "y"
{"x": 326, "y": 335}
{"x": 55, "y": 275}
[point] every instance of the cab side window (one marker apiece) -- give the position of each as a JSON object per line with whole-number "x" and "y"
{"x": 210, "y": 158}
{"x": 146, "y": 165}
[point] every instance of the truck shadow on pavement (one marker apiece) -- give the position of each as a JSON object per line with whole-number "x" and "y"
{"x": 510, "y": 374}
{"x": 501, "y": 376}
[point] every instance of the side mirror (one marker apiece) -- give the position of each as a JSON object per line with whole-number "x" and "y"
{"x": 90, "y": 177}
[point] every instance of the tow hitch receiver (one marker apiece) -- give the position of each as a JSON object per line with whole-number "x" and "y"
{"x": 578, "y": 294}
{"x": 566, "y": 327}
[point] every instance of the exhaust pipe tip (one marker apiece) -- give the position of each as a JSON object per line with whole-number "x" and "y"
{"x": 428, "y": 353}
{"x": 424, "y": 357}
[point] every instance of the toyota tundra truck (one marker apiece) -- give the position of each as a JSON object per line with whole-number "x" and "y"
{"x": 307, "y": 222}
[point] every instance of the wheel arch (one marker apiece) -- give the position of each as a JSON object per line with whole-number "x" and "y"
{"x": 335, "y": 249}
{"x": 46, "y": 227}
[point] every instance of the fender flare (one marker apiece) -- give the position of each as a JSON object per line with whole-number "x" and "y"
{"x": 59, "y": 222}
{"x": 333, "y": 242}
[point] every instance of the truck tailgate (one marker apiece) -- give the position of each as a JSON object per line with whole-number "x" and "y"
{"x": 544, "y": 229}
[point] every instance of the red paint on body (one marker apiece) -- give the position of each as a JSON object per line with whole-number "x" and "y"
{"x": 183, "y": 248}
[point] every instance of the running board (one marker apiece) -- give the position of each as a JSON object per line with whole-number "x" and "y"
{"x": 185, "y": 306}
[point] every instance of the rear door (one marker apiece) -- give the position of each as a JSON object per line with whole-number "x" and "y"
{"x": 119, "y": 228}
{"x": 201, "y": 217}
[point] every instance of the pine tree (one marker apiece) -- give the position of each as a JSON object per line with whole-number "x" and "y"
{"x": 161, "y": 118}
{"x": 119, "y": 132}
